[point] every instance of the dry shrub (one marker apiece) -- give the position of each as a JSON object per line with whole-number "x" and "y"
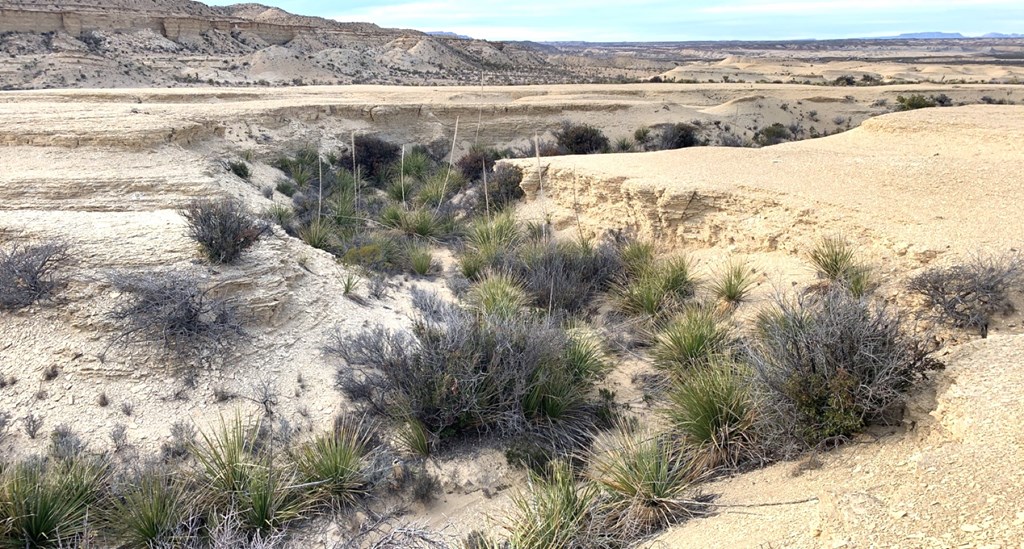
{"x": 223, "y": 228}
{"x": 461, "y": 372}
{"x": 172, "y": 311}
{"x": 31, "y": 273}
{"x": 832, "y": 363}
{"x": 969, "y": 295}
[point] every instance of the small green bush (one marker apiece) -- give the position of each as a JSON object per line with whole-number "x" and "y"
{"x": 581, "y": 139}
{"x": 913, "y": 102}
{"x": 241, "y": 169}
{"x": 772, "y": 135}
{"x": 679, "y": 136}
{"x": 373, "y": 155}
{"x": 477, "y": 160}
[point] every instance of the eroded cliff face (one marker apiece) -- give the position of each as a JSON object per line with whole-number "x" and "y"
{"x": 172, "y": 27}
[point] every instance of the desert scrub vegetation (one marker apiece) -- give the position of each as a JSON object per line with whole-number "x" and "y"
{"x": 836, "y": 262}
{"x": 970, "y": 294}
{"x": 462, "y": 371}
{"x": 224, "y": 228}
{"x": 171, "y": 311}
{"x": 574, "y": 138}
{"x": 243, "y": 489}
{"x": 829, "y": 364}
{"x": 32, "y": 273}
{"x": 655, "y": 289}
{"x": 694, "y": 338}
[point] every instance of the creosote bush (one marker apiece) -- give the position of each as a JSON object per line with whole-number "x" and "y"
{"x": 831, "y": 363}
{"x": 31, "y": 273}
{"x": 223, "y": 228}
{"x": 679, "y": 136}
{"x": 172, "y": 311}
{"x": 970, "y": 294}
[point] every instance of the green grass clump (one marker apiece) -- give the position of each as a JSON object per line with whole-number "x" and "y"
{"x": 645, "y": 479}
{"x": 421, "y": 261}
{"x": 237, "y": 470}
{"x": 46, "y": 504}
{"x": 835, "y": 260}
{"x": 692, "y": 339}
{"x": 733, "y": 284}
{"x": 656, "y": 290}
{"x": 711, "y": 408}
{"x": 637, "y": 256}
{"x": 336, "y": 462}
{"x": 555, "y": 512}
{"x": 487, "y": 243}
{"x": 152, "y": 511}
{"x": 320, "y": 234}
{"x": 565, "y": 385}
{"x": 499, "y": 295}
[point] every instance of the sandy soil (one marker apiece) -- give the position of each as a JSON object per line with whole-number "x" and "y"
{"x": 107, "y": 170}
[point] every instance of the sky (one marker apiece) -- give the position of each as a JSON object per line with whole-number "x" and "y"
{"x": 671, "y": 20}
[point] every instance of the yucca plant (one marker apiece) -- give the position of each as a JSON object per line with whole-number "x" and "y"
{"x": 152, "y": 511}
{"x": 270, "y": 497}
{"x": 733, "y": 284}
{"x": 46, "y": 504}
{"x": 226, "y": 456}
{"x": 711, "y": 408}
{"x": 637, "y": 256}
{"x": 415, "y": 438}
{"x": 491, "y": 239}
{"x": 336, "y": 462}
{"x": 421, "y": 261}
{"x": 318, "y": 234}
{"x": 563, "y": 386}
{"x": 554, "y": 512}
{"x": 691, "y": 339}
{"x": 500, "y": 295}
{"x": 656, "y": 290}
{"x": 472, "y": 265}
{"x": 645, "y": 478}
{"x": 281, "y": 214}
{"x": 834, "y": 258}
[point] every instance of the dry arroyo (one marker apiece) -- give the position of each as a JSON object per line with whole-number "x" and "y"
{"x": 107, "y": 171}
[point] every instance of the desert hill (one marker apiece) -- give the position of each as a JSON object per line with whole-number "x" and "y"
{"x": 152, "y": 42}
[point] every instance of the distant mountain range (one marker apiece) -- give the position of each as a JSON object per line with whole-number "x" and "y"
{"x": 944, "y": 35}
{"x": 445, "y": 34}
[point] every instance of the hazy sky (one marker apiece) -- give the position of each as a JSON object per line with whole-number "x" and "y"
{"x": 640, "y": 20}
